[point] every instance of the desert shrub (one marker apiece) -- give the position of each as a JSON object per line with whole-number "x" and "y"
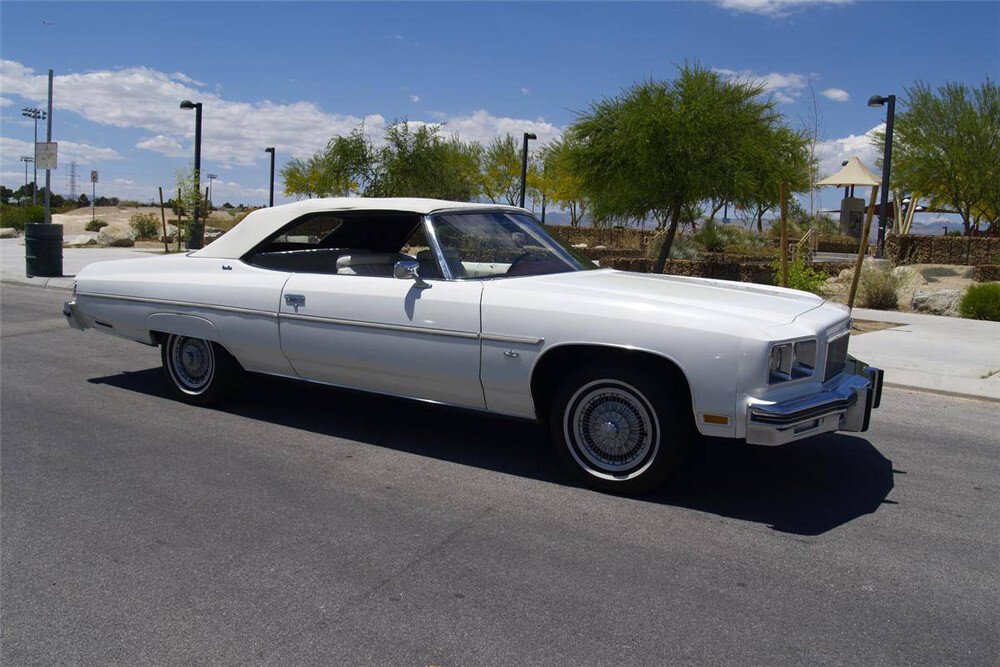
{"x": 981, "y": 302}
{"x": 144, "y": 225}
{"x": 683, "y": 247}
{"x": 18, "y": 216}
{"x": 879, "y": 287}
{"x": 95, "y": 225}
{"x": 800, "y": 276}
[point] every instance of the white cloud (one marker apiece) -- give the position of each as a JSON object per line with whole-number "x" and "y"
{"x": 415, "y": 99}
{"x": 234, "y": 131}
{"x": 69, "y": 151}
{"x": 482, "y": 127}
{"x": 774, "y": 8}
{"x": 525, "y": 91}
{"x": 833, "y": 152}
{"x": 123, "y": 181}
{"x": 836, "y": 94}
{"x": 184, "y": 78}
{"x": 4, "y": 102}
{"x": 785, "y": 87}
{"x": 164, "y": 145}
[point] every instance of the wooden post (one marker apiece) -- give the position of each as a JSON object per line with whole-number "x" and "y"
{"x": 862, "y": 248}
{"x": 783, "y": 193}
{"x": 179, "y": 226}
{"x": 911, "y": 209}
{"x": 163, "y": 218}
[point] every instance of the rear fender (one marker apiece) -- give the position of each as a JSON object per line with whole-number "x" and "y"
{"x": 183, "y": 325}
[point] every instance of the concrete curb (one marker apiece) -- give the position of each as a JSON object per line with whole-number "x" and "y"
{"x": 44, "y": 284}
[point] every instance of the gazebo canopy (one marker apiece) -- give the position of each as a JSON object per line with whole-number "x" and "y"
{"x": 852, "y": 173}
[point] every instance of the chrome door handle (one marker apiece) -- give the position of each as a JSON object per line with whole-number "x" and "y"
{"x": 295, "y": 300}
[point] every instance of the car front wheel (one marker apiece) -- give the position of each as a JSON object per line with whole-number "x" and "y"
{"x": 618, "y": 430}
{"x": 199, "y": 371}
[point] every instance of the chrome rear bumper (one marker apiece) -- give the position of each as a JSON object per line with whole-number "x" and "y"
{"x": 69, "y": 312}
{"x": 845, "y": 404}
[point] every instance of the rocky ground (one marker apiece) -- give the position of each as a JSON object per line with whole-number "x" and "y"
{"x": 118, "y": 231}
{"x": 926, "y": 288}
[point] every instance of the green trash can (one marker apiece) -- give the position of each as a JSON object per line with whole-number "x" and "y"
{"x": 43, "y": 250}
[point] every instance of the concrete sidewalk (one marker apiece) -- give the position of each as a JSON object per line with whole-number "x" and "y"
{"x": 928, "y": 352}
{"x": 945, "y": 354}
{"x": 74, "y": 259}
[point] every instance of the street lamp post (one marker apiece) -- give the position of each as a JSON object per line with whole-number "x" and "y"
{"x": 524, "y": 165}
{"x": 270, "y": 197}
{"x": 890, "y": 115}
{"x": 210, "y": 177}
{"x": 194, "y": 241}
{"x": 26, "y": 159}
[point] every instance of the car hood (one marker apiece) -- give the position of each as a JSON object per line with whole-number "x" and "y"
{"x": 747, "y": 303}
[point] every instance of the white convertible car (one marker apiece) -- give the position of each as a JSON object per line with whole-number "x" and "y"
{"x": 478, "y": 306}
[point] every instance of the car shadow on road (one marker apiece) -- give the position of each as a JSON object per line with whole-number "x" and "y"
{"x": 804, "y": 488}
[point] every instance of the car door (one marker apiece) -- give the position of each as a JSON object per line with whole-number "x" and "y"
{"x": 385, "y": 334}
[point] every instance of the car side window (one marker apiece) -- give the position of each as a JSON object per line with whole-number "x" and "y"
{"x": 355, "y": 243}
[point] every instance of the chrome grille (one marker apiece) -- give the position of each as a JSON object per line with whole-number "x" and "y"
{"x": 836, "y": 356}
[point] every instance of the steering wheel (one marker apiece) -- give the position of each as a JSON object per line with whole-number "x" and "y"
{"x": 513, "y": 270}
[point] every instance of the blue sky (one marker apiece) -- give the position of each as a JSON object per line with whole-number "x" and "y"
{"x": 291, "y": 74}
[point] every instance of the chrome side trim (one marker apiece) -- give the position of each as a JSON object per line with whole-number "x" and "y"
{"x": 504, "y": 338}
{"x": 500, "y": 338}
{"x": 380, "y": 325}
{"x": 179, "y": 304}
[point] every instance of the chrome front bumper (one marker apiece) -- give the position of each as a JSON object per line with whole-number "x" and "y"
{"x": 845, "y": 404}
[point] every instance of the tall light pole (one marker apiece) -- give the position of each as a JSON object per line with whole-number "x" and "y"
{"x": 210, "y": 177}
{"x": 194, "y": 241}
{"x": 31, "y": 112}
{"x": 890, "y": 115}
{"x": 26, "y": 159}
{"x": 270, "y": 198}
{"x": 524, "y": 165}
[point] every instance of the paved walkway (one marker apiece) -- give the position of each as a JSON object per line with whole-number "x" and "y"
{"x": 74, "y": 259}
{"x": 928, "y": 352}
{"x": 946, "y": 354}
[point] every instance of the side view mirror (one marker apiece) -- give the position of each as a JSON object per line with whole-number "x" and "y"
{"x": 409, "y": 269}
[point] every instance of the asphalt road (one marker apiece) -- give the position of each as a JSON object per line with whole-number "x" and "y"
{"x": 301, "y": 524}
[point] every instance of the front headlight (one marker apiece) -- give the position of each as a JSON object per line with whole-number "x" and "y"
{"x": 791, "y": 361}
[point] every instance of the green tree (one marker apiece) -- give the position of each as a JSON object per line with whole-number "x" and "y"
{"x": 946, "y": 146}
{"x": 662, "y": 145}
{"x": 416, "y": 161}
{"x": 561, "y": 185}
{"x": 500, "y": 171}
{"x": 778, "y": 155}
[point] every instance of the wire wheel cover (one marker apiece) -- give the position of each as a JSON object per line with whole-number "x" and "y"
{"x": 611, "y": 428}
{"x": 192, "y": 363}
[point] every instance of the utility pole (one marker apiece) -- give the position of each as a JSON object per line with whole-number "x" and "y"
{"x": 32, "y": 112}
{"x": 48, "y": 172}
{"x": 72, "y": 180}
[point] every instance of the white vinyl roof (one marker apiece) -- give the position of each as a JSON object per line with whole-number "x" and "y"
{"x": 263, "y": 222}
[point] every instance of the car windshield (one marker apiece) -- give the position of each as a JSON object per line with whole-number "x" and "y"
{"x": 497, "y": 244}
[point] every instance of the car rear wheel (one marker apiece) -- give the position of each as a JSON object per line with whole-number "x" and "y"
{"x": 199, "y": 371}
{"x": 618, "y": 430}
